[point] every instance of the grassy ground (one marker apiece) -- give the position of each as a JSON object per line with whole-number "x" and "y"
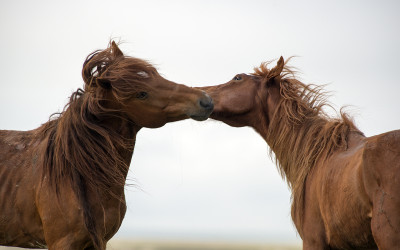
{"x": 169, "y": 245}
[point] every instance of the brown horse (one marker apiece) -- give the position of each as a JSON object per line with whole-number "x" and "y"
{"x": 62, "y": 185}
{"x": 345, "y": 186}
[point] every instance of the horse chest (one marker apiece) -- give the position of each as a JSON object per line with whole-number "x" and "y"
{"x": 114, "y": 218}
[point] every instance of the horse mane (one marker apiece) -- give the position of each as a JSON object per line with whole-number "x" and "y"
{"x": 301, "y": 133}
{"x": 81, "y": 147}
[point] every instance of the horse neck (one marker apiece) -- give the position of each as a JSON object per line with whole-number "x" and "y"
{"x": 127, "y": 130}
{"x": 298, "y": 146}
{"x": 96, "y": 147}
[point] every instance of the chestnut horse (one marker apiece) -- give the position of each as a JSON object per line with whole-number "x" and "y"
{"x": 62, "y": 184}
{"x": 345, "y": 186}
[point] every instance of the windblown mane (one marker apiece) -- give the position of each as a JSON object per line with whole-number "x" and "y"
{"x": 82, "y": 147}
{"x": 301, "y": 133}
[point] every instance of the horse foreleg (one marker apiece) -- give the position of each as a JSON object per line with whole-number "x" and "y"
{"x": 314, "y": 240}
{"x": 90, "y": 248}
{"x": 67, "y": 243}
{"x": 313, "y": 230}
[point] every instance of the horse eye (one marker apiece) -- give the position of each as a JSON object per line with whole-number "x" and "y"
{"x": 237, "y": 78}
{"x": 141, "y": 95}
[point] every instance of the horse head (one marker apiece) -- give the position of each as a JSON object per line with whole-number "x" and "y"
{"x": 248, "y": 99}
{"x": 135, "y": 88}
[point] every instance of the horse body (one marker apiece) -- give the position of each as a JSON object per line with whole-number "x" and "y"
{"x": 356, "y": 191}
{"x": 344, "y": 185}
{"x": 18, "y": 190}
{"x": 62, "y": 184}
{"x": 337, "y": 211}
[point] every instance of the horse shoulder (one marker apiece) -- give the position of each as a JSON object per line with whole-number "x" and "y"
{"x": 381, "y": 169}
{"x": 339, "y": 192}
{"x": 64, "y": 211}
{"x": 381, "y": 159}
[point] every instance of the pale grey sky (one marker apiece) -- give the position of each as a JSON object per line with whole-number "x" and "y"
{"x": 203, "y": 181}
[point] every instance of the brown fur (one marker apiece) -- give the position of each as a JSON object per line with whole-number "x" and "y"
{"x": 335, "y": 190}
{"x": 62, "y": 185}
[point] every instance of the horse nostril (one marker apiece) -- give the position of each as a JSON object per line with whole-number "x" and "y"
{"x": 207, "y": 103}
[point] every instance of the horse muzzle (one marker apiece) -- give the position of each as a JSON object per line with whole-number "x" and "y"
{"x": 205, "y": 108}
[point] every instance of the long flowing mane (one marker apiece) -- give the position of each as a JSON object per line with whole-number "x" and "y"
{"x": 301, "y": 133}
{"x": 81, "y": 146}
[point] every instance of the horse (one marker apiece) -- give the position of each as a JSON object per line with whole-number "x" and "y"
{"x": 344, "y": 185}
{"x": 62, "y": 184}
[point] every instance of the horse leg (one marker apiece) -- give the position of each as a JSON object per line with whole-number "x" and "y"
{"x": 313, "y": 230}
{"x": 64, "y": 232}
{"x": 90, "y": 248}
{"x": 314, "y": 238}
{"x": 311, "y": 226}
{"x": 62, "y": 237}
{"x": 67, "y": 243}
{"x": 71, "y": 243}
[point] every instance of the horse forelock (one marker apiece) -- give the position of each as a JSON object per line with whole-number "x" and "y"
{"x": 123, "y": 75}
{"x": 301, "y": 133}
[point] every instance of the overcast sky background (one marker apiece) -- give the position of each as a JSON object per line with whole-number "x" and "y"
{"x": 203, "y": 180}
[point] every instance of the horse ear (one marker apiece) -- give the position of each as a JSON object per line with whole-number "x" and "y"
{"x": 115, "y": 50}
{"x": 276, "y": 71}
{"x": 274, "y": 74}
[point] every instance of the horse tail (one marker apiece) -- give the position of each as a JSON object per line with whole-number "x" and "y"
{"x": 90, "y": 223}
